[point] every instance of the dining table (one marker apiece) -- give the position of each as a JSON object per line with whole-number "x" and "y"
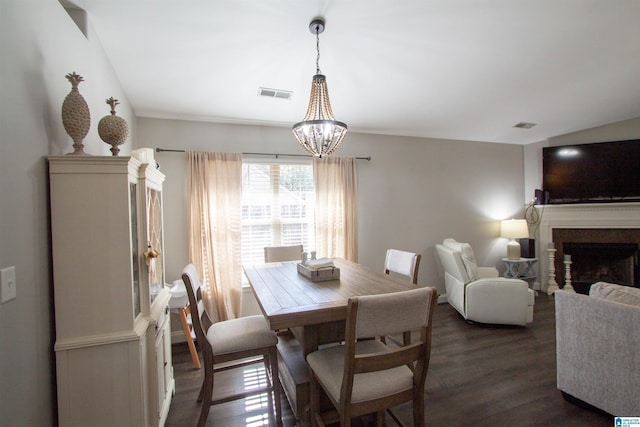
{"x": 314, "y": 312}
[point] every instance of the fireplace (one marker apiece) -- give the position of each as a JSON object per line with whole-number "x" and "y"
{"x": 605, "y": 254}
{"x": 606, "y": 262}
{"x": 602, "y": 262}
{"x": 603, "y": 240}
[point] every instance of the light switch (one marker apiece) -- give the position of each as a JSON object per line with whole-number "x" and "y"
{"x": 8, "y": 283}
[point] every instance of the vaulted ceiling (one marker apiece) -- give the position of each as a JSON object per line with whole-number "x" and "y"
{"x": 456, "y": 69}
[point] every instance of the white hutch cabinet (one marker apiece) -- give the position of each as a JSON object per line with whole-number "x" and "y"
{"x": 113, "y": 338}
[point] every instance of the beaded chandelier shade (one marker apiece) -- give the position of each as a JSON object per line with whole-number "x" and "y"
{"x": 319, "y": 132}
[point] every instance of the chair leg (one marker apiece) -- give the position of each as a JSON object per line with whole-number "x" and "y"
{"x": 201, "y": 394}
{"x": 314, "y": 397}
{"x": 275, "y": 383}
{"x": 206, "y": 393}
{"x": 418, "y": 409}
{"x": 380, "y": 418}
{"x": 187, "y": 334}
{"x": 345, "y": 419}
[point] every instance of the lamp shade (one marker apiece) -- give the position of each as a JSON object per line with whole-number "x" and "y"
{"x": 514, "y": 229}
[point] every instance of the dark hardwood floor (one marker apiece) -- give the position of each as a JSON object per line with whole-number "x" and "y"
{"x": 478, "y": 376}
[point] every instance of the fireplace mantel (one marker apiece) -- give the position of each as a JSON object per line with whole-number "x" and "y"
{"x": 592, "y": 215}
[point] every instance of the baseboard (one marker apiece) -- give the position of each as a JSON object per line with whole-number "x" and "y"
{"x": 442, "y": 299}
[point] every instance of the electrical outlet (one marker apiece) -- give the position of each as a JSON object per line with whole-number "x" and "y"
{"x": 8, "y": 283}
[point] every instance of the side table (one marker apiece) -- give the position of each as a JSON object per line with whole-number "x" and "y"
{"x": 520, "y": 269}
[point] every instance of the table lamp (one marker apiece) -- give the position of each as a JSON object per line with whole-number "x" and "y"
{"x": 514, "y": 229}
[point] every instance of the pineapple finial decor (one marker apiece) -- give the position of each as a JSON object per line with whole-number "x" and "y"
{"x": 76, "y": 117}
{"x": 113, "y": 129}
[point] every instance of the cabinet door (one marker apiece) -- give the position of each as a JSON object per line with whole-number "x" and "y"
{"x": 154, "y": 236}
{"x": 135, "y": 266}
{"x": 160, "y": 364}
{"x": 164, "y": 370}
{"x": 168, "y": 362}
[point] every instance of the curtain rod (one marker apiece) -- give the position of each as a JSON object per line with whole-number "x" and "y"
{"x": 168, "y": 150}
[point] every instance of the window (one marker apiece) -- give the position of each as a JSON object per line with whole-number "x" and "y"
{"x": 278, "y": 203}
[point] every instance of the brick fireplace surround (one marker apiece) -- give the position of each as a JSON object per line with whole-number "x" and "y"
{"x": 606, "y": 222}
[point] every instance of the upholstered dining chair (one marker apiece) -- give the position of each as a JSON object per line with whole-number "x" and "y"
{"x": 366, "y": 376}
{"x": 403, "y": 263}
{"x": 228, "y": 341}
{"x": 282, "y": 253}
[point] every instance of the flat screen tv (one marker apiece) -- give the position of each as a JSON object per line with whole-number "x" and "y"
{"x": 592, "y": 173}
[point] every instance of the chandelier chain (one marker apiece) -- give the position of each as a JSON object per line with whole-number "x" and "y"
{"x": 318, "y": 55}
{"x": 317, "y": 50}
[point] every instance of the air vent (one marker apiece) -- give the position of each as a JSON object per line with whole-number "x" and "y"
{"x": 275, "y": 93}
{"x": 524, "y": 125}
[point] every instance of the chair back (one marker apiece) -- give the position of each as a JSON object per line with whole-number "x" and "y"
{"x": 391, "y": 313}
{"x": 403, "y": 263}
{"x": 387, "y": 314}
{"x": 452, "y": 263}
{"x": 199, "y": 317}
{"x": 282, "y": 253}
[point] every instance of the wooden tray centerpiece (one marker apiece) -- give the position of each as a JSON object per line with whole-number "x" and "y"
{"x": 319, "y": 270}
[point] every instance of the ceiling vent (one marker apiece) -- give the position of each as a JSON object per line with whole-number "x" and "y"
{"x": 275, "y": 93}
{"x": 524, "y": 125}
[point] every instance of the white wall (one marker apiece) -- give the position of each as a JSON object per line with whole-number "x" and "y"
{"x": 412, "y": 194}
{"x": 39, "y": 44}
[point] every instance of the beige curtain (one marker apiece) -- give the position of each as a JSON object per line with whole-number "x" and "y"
{"x": 336, "y": 207}
{"x": 214, "y": 186}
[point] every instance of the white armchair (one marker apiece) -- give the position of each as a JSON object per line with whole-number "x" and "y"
{"x": 478, "y": 293}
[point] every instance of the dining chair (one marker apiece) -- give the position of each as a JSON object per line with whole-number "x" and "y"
{"x": 403, "y": 263}
{"x": 244, "y": 340}
{"x": 282, "y": 253}
{"x": 366, "y": 376}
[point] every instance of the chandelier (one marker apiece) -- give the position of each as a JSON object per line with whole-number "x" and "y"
{"x": 319, "y": 133}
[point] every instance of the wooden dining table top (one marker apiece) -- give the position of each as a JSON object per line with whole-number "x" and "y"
{"x": 289, "y": 299}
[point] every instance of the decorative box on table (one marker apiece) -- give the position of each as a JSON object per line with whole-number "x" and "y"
{"x": 319, "y": 270}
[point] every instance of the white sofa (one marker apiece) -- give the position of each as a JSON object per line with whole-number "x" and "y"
{"x": 598, "y": 347}
{"x": 478, "y": 293}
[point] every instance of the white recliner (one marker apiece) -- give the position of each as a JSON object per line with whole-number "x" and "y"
{"x": 478, "y": 293}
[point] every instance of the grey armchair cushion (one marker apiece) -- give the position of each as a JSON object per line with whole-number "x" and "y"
{"x": 617, "y": 293}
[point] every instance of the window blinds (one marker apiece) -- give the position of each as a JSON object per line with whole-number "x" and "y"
{"x": 278, "y": 204}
